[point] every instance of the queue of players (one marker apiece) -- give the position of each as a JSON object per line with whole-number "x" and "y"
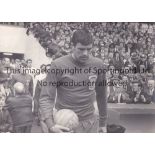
{"x": 17, "y": 92}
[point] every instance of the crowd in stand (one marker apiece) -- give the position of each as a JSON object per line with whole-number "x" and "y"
{"x": 127, "y": 51}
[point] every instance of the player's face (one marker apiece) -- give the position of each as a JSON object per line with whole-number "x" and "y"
{"x": 81, "y": 52}
{"x": 29, "y": 63}
{"x": 48, "y": 67}
{"x": 7, "y": 61}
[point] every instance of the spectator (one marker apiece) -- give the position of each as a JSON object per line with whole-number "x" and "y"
{"x": 143, "y": 60}
{"x": 149, "y": 92}
{"x": 23, "y": 77}
{"x": 20, "y": 109}
{"x": 150, "y": 63}
{"x": 153, "y": 71}
{"x": 5, "y": 119}
{"x": 118, "y": 61}
{"x": 137, "y": 95}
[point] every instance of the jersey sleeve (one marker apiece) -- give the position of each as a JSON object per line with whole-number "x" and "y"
{"x": 48, "y": 94}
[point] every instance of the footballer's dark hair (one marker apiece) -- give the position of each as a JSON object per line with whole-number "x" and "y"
{"x": 82, "y": 36}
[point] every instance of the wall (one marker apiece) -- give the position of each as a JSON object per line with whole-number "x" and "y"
{"x": 14, "y": 39}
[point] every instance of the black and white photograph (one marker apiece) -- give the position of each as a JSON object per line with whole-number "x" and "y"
{"x": 77, "y": 77}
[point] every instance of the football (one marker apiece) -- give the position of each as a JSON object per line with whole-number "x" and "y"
{"x": 66, "y": 118}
